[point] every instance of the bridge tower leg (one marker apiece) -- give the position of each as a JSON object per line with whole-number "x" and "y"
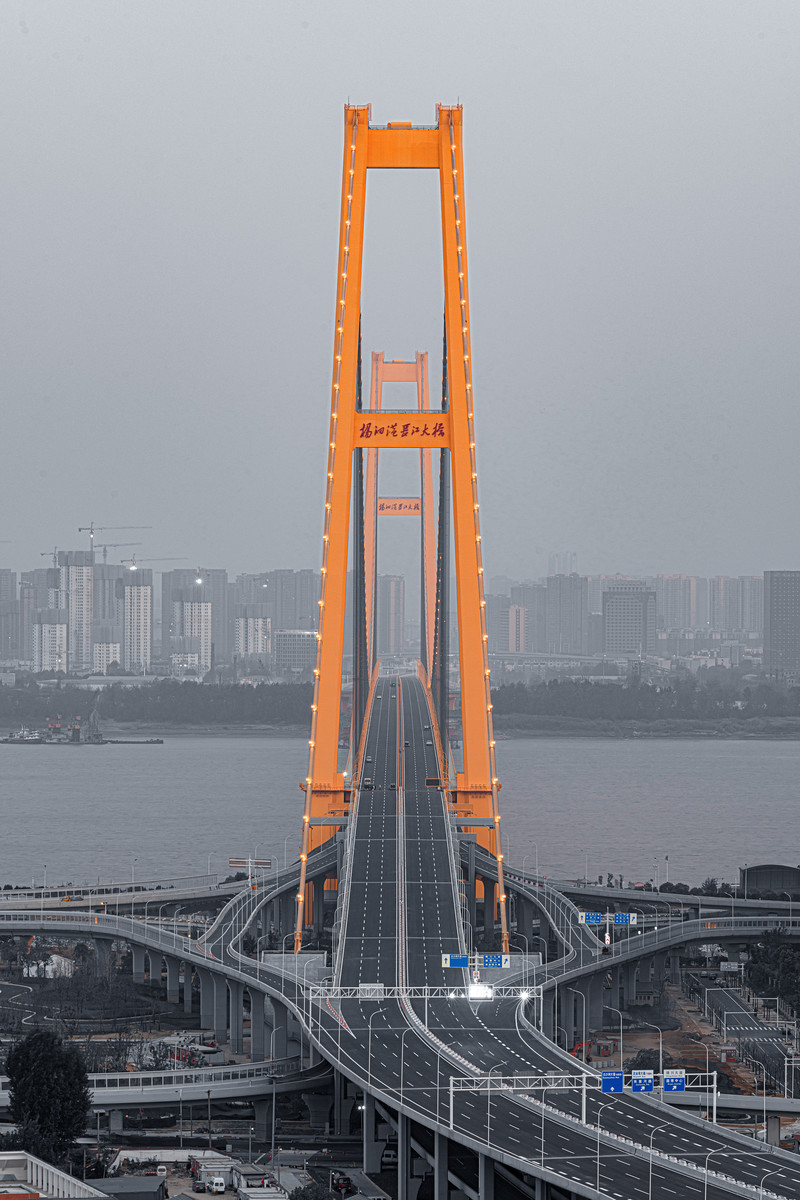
{"x": 476, "y": 787}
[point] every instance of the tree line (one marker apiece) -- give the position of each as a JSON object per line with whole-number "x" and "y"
{"x": 685, "y": 699}
{"x": 164, "y": 701}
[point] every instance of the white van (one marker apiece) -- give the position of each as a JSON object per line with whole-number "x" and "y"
{"x": 215, "y": 1184}
{"x": 161, "y": 1170}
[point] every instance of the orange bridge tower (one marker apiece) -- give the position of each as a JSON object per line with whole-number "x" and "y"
{"x": 474, "y": 793}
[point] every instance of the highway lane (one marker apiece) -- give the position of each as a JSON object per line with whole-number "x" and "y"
{"x": 493, "y": 1038}
{"x": 433, "y": 925}
{"x": 370, "y": 932}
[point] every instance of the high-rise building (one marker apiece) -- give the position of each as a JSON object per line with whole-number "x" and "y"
{"x": 180, "y": 581}
{"x": 294, "y": 651}
{"x": 251, "y": 633}
{"x": 567, "y": 614}
{"x": 135, "y": 593}
{"x": 51, "y": 640}
{"x": 106, "y": 599}
{"x": 391, "y": 614}
{"x": 736, "y": 605}
{"x": 681, "y": 601}
{"x": 751, "y": 589}
{"x": 191, "y": 626}
{"x": 105, "y": 651}
{"x": 8, "y": 585}
{"x": 216, "y": 590}
{"x": 498, "y": 607}
{"x": 76, "y": 585}
{"x": 782, "y": 622}
{"x": 629, "y": 620}
{"x": 531, "y": 601}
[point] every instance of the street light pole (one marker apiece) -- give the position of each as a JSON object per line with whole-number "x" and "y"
{"x": 576, "y": 992}
{"x": 776, "y": 1171}
{"x": 660, "y": 1052}
{"x": 599, "y": 1114}
{"x": 650, "y": 1180}
{"x": 716, "y": 1150}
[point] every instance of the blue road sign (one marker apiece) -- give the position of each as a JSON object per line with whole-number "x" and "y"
{"x": 495, "y": 960}
{"x": 612, "y": 1081}
{"x": 590, "y": 918}
{"x": 675, "y": 1081}
{"x": 455, "y": 960}
{"x": 642, "y": 1081}
{"x": 625, "y": 918}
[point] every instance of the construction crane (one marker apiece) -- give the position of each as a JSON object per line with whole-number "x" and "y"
{"x": 135, "y": 562}
{"x": 115, "y": 546}
{"x": 92, "y": 529}
{"x": 50, "y": 553}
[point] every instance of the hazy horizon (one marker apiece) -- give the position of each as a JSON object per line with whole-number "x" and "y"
{"x": 170, "y": 223}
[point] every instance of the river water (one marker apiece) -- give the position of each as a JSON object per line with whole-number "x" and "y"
{"x": 594, "y": 805}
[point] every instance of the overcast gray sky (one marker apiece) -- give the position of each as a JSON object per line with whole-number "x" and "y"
{"x": 169, "y": 223}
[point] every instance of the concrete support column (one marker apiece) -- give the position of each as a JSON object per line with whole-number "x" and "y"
{"x": 594, "y": 1000}
{"x": 319, "y": 1109}
{"x": 263, "y": 1119}
{"x": 629, "y": 984}
{"x": 187, "y": 987}
{"x": 257, "y": 1029}
{"x": 372, "y": 1148}
{"x": 236, "y": 1020}
{"x": 288, "y": 907}
{"x": 403, "y": 1157}
{"x": 319, "y": 905}
{"x": 489, "y": 892}
{"x": 220, "y": 1010}
{"x": 280, "y": 1028}
{"x": 173, "y": 978}
{"x": 616, "y": 986}
{"x": 440, "y": 1166}
{"x": 103, "y": 954}
{"x": 154, "y": 960}
{"x": 659, "y": 969}
{"x": 525, "y": 922}
{"x": 485, "y": 1177}
{"x": 137, "y": 954}
{"x": 342, "y": 1105}
{"x": 206, "y": 998}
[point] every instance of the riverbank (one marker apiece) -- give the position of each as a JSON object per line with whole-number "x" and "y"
{"x": 524, "y": 725}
